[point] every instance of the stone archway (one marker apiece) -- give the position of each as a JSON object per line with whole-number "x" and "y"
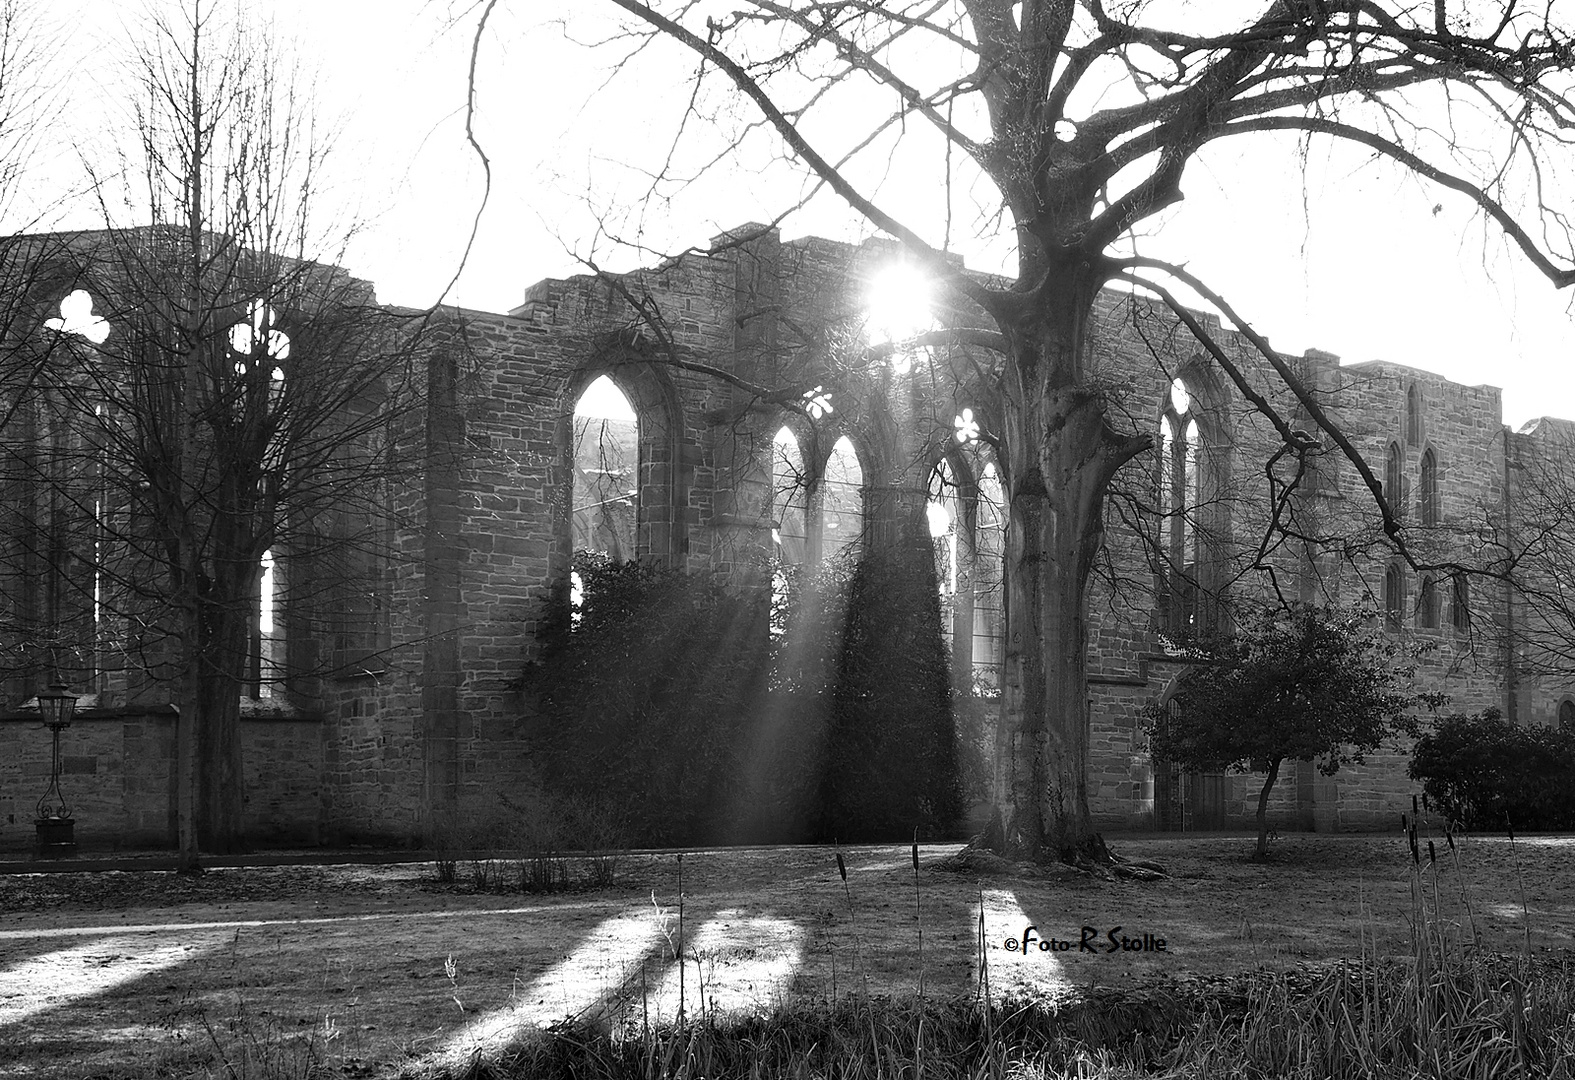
{"x": 1185, "y": 801}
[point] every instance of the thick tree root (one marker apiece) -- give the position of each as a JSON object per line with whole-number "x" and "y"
{"x": 980, "y": 858}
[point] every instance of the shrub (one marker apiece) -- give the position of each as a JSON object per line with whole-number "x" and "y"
{"x": 891, "y": 754}
{"x": 1483, "y": 770}
{"x": 640, "y": 702}
{"x": 670, "y": 698}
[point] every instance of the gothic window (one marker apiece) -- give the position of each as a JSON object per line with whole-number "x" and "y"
{"x": 605, "y": 500}
{"x": 1460, "y": 608}
{"x": 1413, "y": 416}
{"x": 1567, "y": 715}
{"x": 1179, "y": 440}
{"x": 1394, "y": 493}
{"x": 817, "y": 514}
{"x": 989, "y": 580}
{"x": 943, "y": 513}
{"x": 266, "y": 648}
{"x": 77, "y": 318}
{"x": 1394, "y": 597}
{"x": 1427, "y": 604}
{"x": 841, "y": 498}
{"x": 789, "y": 498}
{"x": 1429, "y": 486}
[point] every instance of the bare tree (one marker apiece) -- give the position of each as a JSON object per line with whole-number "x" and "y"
{"x": 217, "y": 397}
{"x": 1080, "y": 119}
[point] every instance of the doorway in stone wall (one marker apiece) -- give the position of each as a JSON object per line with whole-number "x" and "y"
{"x": 1187, "y": 801}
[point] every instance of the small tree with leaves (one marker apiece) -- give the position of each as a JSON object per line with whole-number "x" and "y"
{"x": 1302, "y": 683}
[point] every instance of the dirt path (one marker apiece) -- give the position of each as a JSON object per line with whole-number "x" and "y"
{"x": 377, "y": 967}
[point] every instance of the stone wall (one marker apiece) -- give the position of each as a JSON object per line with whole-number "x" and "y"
{"x": 426, "y": 720}
{"x": 118, "y": 779}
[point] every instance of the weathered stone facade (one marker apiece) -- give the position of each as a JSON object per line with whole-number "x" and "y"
{"x": 423, "y": 717}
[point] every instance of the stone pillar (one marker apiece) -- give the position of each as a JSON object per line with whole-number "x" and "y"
{"x": 443, "y": 551}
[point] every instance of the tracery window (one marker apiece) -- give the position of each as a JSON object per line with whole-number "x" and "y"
{"x": 1394, "y": 493}
{"x": 967, "y": 526}
{"x": 77, "y": 317}
{"x": 1394, "y": 597}
{"x": 1429, "y": 486}
{"x": 1427, "y": 604}
{"x": 1180, "y": 496}
{"x": 789, "y": 499}
{"x": 989, "y": 580}
{"x": 817, "y": 513}
{"x": 266, "y": 646}
{"x": 841, "y": 500}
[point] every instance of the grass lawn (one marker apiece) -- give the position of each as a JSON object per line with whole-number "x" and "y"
{"x": 379, "y": 969}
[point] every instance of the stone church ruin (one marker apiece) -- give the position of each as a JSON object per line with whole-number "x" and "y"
{"x": 718, "y": 413}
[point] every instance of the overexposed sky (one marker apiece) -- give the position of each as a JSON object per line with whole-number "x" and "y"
{"x": 1337, "y": 255}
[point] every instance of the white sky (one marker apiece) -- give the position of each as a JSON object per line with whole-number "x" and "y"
{"x": 1361, "y": 266}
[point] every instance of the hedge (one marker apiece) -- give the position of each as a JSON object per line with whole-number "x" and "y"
{"x": 1482, "y": 771}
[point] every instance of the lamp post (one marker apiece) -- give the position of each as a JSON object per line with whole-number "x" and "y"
{"x": 56, "y": 830}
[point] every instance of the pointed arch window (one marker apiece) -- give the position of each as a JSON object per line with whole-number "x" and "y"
{"x": 1394, "y": 493}
{"x": 989, "y": 580}
{"x": 1567, "y": 715}
{"x": 1460, "y": 606}
{"x": 1413, "y": 416}
{"x": 605, "y": 502}
{"x": 841, "y": 500}
{"x": 943, "y": 512}
{"x": 1180, "y": 496}
{"x": 1427, "y": 604}
{"x": 1394, "y": 598}
{"x": 266, "y": 644}
{"x": 789, "y": 498}
{"x": 1429, "y": 486}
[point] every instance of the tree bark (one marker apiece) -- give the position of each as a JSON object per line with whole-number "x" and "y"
{"x": 221, "y": 785}
{"x": 1060, "y": 457}
{"x": 1263, "y": 810}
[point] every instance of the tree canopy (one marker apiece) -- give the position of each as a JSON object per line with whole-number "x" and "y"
{"x": 1070, "y": 127}
{"x": 1303, "y": 683}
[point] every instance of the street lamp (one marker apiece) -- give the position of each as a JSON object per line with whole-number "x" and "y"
{"x": 56, "y": 830}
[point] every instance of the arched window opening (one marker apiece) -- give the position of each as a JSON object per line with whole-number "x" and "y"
{"x": 789, "y": 531}
{"x": 1460, "y": 608}
{"x": 606, "y": 472}
{"x": 841, "y": 500}
{"x": 989, "y": 582}
{"x": 1429, "y": 486}
{"x": 1413, "y": 416}
{"x": 1394, "y": 598}
{"x": 1394, "y": 494}
{"x": 1180, "y": 494}
{"x": 1567, "y": 715}
{"x": 1427, "y": 604}
{"x": 78, "y": 318}
{"x": 942, "y": 511}
{"x": 266, "y": 641}
{"x": 789, "y": 498}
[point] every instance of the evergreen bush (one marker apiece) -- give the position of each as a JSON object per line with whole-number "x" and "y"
{"x": 667, "y": 695}
{"x": 1482, "y": 771}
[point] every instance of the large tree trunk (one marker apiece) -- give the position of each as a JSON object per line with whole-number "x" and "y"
{"x": 1060, "y": 456}
{"x": 211, "y": 787}
{"x": 227, "y": 613}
